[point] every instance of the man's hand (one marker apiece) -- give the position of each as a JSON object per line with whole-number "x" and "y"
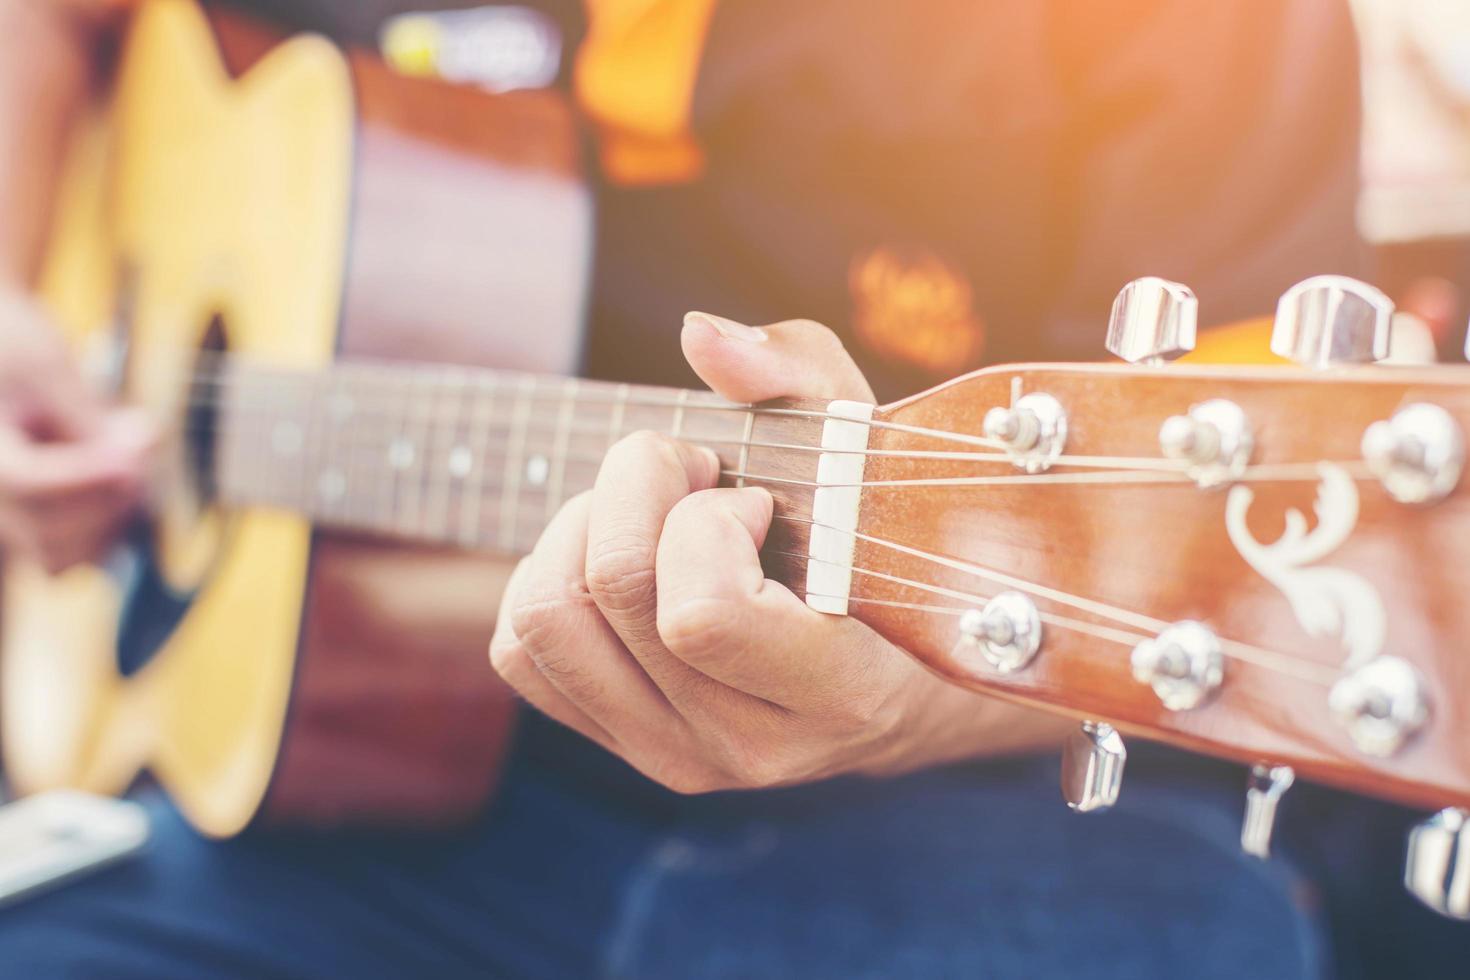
{"x": 71, "y": 468}
{"x": 644, "y": 621}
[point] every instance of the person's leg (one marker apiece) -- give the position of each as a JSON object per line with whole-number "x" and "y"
{"x": 527, "y": 894}
{"x": 978, "y": 871}
{"x": 973, "y": 872}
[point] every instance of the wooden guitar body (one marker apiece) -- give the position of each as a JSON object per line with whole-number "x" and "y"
{"x": 293, "y": 204}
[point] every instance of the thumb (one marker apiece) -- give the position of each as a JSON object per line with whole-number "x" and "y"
{"x": 792, "y": 359}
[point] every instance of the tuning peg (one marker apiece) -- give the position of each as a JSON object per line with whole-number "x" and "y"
{"x": 1092, "y": 767}
{"x": 1214, "y": 441}
{"x": 1417, "y": 454}
{"x": 1329, "y": 320}
{"x": 1153, "y": 321}
{"x": 1381, "y": 705}
{"x": 1033, "y": 430}
{"x": 1437, "y": 871}
{"x": 1007, "y": 631}
{"x": 1266, "y": 787}
{"x": 1183, "y": 665}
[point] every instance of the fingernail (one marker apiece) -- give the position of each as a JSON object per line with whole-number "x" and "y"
{"x": 712, "y": 460}
{"x": 729, "y": 329}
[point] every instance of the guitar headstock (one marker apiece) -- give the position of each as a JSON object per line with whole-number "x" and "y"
{"x": 1262, "y": 563}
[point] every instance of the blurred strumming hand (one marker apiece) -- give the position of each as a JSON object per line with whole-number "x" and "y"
{"x": 71, "y": 466}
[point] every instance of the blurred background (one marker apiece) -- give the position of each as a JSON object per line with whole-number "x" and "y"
{"x": 1415, "y": 205}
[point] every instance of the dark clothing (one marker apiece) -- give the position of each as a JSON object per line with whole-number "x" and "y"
{"x": 1024, "y": 158}
{"x": 959, "y": 873}
{"x": 946, "y": 183}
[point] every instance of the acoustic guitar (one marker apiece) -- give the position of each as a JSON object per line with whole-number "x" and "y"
{"x": 1128, "y": 544}
{"x": 292, "y": 204}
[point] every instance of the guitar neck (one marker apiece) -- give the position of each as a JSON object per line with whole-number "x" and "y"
{"x": 474, "y": 458}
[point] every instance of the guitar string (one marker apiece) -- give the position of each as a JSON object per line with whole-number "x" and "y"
{"x": 1262, "y": 473}
{"x": 1266, "y": 473}
{"x": 1300, "y": 668}
{"x": 535, "y": 387}
{"x": 1173, "y": 471}
{"x": 640, "y": 402}
{"x": 1240, "y": 651}
{"x": 1139, "y": 469}
{"x": 588, "y": 429}
{"x": 1290, "y": 471}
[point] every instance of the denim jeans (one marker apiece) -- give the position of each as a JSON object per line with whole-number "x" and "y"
{"x": 971, "y": 871}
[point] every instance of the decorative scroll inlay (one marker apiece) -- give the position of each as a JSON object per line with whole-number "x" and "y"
{"x": 1327, "y": 601}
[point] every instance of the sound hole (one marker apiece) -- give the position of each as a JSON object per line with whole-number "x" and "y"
{"x": 165, "y": 561}
{"x": 201, "y": 416}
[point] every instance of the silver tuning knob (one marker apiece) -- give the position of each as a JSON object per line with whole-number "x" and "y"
{"x": 1092, "y": 767}
{"x": 1183, "y": 665}
{"x": 1267, "y": 785}
{"x": 1437, "y": 871}
{"x": 1381, "y": 704}
{"x": 1033, "y": 431}
{"x": 1007, "y": 632}
{"x": 1329, "y": 320}
{"x": 1417, "y": 454}
{"x": 1153, "y": 321}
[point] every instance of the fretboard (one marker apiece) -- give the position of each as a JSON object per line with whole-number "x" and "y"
{"x": 475, "y": 458}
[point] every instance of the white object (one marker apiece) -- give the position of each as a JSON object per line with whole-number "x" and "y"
{"x": 51, "y": 838}
{"x": 835, "y": 506}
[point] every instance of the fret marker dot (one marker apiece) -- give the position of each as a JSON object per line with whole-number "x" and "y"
{"x": 331, "y": 484}
{"x": 538, "y": 468}
{"x": 286, "y": 438}
{"x": 400, "y": 454}
{"x": 461, "y": 461}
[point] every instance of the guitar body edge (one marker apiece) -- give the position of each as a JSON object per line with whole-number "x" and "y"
{"x": 307, "y": 206}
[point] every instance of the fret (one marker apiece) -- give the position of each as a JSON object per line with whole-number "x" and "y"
{"x": 649, "y": 416}
{"x": 309, "y": 476}
{"x": 481, "y": 416}
{"x": 619, "y": 410}
{"x": 421, "y": 395}
{"x": 460, "y": 463}
{"x": 360, "y": 461}
{"x": 332, "y": 483}
{"x": 677, "y": 430}
{"x": 440, "y": 464}
{"x": 424, "y": 453}
{"x": 402, "y": 454}
{"x": 558, "y": 468}
{"x": 396, "y": 453}
{"x": 349, "y": 420}
{"x": 745, "y": 439}
{"x": 514, "y": 461}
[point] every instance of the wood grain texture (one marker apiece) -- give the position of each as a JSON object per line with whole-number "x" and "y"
{"x": 470, "y": 244}
{"x": 1161, "y": 551}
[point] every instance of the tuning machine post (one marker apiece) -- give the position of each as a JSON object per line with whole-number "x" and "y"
{"x": 1417, "y": 455}
{"x": 1214, "y": 440}
{"x": 1437, "y": 869}
{"x": 1033, "y": 430}
{"x": 1007, "y": 632}
{"x": 1183, "y": 664}
{"x": 1093, "y": 758}
{"x": 1264, "y": 789}
{"x": 1381, "y": 705}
